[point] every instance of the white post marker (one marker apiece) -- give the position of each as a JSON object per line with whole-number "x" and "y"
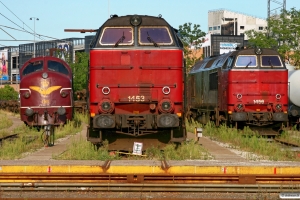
{"x": 137, "y": 148}
{"x": 198, "y": 133}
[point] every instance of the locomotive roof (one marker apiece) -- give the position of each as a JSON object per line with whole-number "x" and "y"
{"x": 207, "y": 63}
{"x": 146, "y": 20}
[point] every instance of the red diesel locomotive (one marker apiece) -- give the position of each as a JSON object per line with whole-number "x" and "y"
{"x": 136, "y": 81}
{"x": 46, "y": 97}
{"x": 244, "y": 87}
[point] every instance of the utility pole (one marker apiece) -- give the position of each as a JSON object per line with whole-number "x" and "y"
{"x": 34, "y": 19}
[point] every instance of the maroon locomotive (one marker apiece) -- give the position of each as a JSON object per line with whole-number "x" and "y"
{"x": 244, "y": 87}
{"x": 136, "y": 81}
{"x": 46, "y": 97}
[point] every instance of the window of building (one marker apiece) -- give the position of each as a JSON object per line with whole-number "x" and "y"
{"x": 242, "y": 27}
{"x": 15, "y": 63}
{"x": 210, "y": 28}
{"x": 215, "y": 28}
{"x": 219, "y": 27}
{"x": 260, "y": 28}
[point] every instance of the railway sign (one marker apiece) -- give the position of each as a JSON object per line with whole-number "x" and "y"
{"x": 137, "y": 148}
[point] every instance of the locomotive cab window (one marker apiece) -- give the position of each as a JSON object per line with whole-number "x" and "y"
{"x": 271, "y": 61}
{"x": 155, "y": 36}
{"x": 246, "y": 61}
{"x": 33, "y": 67}
{"x": 57, "y": 67}
{"x": 117, "y": 36}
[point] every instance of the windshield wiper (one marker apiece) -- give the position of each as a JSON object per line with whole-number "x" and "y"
{"x": 248, "y": 64}
{"x": 270, "y": 63}
{"x": 150, "y": 40}
{"x": 120, "y": 40}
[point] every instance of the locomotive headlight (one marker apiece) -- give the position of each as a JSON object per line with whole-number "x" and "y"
{"x": 45, "y": 75}
{"x": 26, "y": 95}
{"x": 106, "y": 106}
{"x": 63, "y": 94}
{"x": 278, "y": 107}
{"x": 61, "y": 111}
{"x": 165, "y": 106}
{"x": 29, "y": 112}
{"x": 239, "y": 107}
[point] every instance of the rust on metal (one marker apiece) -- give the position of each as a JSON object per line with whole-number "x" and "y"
{"x": 247, "y": 179}
{"x": 164, "y": 165}
{"x": 135, "y": 178}
{"x": 106, "y": 165}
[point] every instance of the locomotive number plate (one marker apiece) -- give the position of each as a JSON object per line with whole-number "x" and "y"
{"x": 136, "y": 98}
{"x": 259, "y": 101}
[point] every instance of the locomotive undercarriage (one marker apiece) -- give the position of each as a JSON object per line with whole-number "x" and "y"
{"x": 136, "y": 126}
{"x": 47, "y": 118}
{"x": 249, "y": 118}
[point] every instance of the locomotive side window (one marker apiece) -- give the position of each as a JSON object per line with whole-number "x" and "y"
{"x": 155, "y": 35}
{"x": 213, "y": 81}
{"x": 33, "y": 67}
{"x": 246, "y": 61}
{"x": 228, "y": 63}
{"x": 57, "y": 67}
{"x": 193, "y": 90}
{"x": 271, "y": 61}
{"x": 119, "y": 36}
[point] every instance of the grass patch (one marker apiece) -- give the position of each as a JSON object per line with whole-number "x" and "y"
{"x": 29, "y": 139}
{"x": 249, "y": 141}
{"x": 84, "y": 150}
{"x": 5, "y": 121}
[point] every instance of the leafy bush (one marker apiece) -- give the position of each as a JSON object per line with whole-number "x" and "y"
{"x": 8, "y": 93}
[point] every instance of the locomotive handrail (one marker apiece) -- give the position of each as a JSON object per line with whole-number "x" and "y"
{"x": 26, "y": 89}
{"x": 62, "y": 89}
{"x": 112, "y": 67}
{"x": 163, "y": 67}
{"x": 138, "y": 86}
{"x": 242, "y": 81}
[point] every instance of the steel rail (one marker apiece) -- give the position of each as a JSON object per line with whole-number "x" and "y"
{"x": 129, "y": 187}
{"x": 151, "y": 178}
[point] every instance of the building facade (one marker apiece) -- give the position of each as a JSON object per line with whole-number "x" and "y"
{"x": 226, "y": 22}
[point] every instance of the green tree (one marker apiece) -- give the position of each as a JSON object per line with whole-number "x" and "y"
{"x": 190, "y": 36}
{"x": 8, "y": 93}
{"x": 282, "y": 34}
{"x": 80, "y": 71}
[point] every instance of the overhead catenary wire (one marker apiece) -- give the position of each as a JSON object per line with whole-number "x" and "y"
{"x": 29, "y": 33}
{"x": 22, "y": 28}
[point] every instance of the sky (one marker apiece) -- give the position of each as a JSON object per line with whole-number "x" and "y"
{"x": 56, "y": 15}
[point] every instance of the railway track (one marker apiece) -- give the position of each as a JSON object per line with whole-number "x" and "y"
{"x": 141, "y": 180}
{"x": 8, "y": 137}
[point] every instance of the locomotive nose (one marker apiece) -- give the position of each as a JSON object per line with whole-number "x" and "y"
{"x": 29, "y": 112}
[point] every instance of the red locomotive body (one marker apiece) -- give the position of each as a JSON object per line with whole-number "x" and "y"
{"x": 46, "y": 95}
{"x": 136, "y": 80}
{"x": 248, "y": 86}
